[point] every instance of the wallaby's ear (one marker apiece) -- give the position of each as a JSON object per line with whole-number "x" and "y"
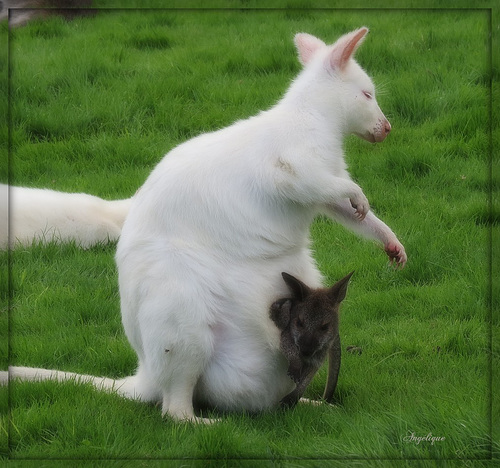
{"x": 280, "y": 312}
{"x": 338, "y": 291}
{"x": 299, "y": 290}
{"x": 284, "y": 304}
{"x": 307, "y": 45}
{"x": 345, "y": 47}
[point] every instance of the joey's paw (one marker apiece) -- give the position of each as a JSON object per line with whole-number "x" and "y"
{"x": 294, "y": 376}
{"x": 361, "y": 206}
{"x": 294, "y": 371}
{"x": 289, "y": 401}
{"x": 396, "y": 253}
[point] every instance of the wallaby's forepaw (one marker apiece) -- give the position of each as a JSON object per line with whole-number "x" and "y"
{"x": 396, "y": 253}
{"x": 361, "y": 205}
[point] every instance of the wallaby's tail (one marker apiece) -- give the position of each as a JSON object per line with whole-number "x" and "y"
{"x": 124, "y": 387}
{"x": 44, "y": 215}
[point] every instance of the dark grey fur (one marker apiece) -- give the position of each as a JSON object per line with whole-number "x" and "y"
{"x": 309, "y": 324}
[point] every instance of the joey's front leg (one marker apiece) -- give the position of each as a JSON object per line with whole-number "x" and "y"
{"x": 295, "y": 368}
{"x": 334, "y": 358}
{"x": 290, "y": 400}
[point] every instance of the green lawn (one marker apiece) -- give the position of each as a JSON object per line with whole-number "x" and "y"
{"x": 96, "y": 103}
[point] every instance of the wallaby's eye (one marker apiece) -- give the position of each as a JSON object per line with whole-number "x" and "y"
{"x": 324, "y": 327}
{"x": 299, "y": 323}
{"x": 367, "y": 95}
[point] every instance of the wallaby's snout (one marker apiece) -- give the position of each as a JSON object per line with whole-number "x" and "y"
{"x": 382, "y": 129}
{"x": 376, "y": 130}
{"x": 307, "y": 345}
{"x": 385, "y": 129}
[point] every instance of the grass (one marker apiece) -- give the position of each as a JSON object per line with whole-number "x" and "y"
{"x": 97, "y": 102}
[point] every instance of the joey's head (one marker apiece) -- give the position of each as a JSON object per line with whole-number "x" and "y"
{"x": 337, "y": 85}
{"x": 314, "y": 315}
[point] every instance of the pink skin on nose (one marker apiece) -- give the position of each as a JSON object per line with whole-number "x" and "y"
{"x": 379, "y": 134}
{"x": 382, "y": 131}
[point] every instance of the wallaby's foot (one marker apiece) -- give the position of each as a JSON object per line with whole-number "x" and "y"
{"x": 315, "y": 402}
{"x": 311, "y": 402}
{"x": 199, "y": 420}
{"x": 191, "y": 418}
{"x": 183, "y": 411}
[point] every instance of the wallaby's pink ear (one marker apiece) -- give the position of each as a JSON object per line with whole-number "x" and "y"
{"x": 338, "y": 291}
{"x": 299, "y": 290}
{"x": 307, "y": 45}
{"x": 345, "y": 47}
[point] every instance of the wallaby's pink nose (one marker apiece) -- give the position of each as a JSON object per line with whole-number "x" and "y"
{"x": 382, "y": 130}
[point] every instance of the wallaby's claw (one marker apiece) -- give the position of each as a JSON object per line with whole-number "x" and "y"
{"x": 361, "y": 206}
{"x": 397, "y": 254}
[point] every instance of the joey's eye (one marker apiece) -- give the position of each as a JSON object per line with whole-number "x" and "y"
{"x": 367, "y": 95}
{"x": 324, "y": 327}
{"x": 299, "y": 323}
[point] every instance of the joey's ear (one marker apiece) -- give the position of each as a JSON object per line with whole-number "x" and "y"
{"x": 299, "y": 290}
{"x": 280, "y": 312}
{"x": 307, "y": 45}
{"x": 284, "y": 304}
{"x": 338, "y": 291}
{"x": 345, "y": 47}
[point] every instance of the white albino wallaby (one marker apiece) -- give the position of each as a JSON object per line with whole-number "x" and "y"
{"x": 222, "y": 215}
{"x": 45, "y": 215}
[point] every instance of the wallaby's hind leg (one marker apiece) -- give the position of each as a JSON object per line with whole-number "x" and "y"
{"x": 178, "y": 398}
{"x": 179, "y": 378}
{"x": 334, "y": 357}
{"x": 178, "y": 404}
{"x": 176, "y": 347}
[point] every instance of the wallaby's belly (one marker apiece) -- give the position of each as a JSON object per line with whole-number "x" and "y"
{"x": 244, "y": 378}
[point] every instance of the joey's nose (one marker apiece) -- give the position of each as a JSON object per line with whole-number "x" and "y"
{"x": 387, "y": 127}
{"x": 307, "y": 347}
{"x": 306, "y": 350}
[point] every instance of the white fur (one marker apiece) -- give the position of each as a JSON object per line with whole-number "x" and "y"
{"x": 221, "y": 216}
{"x": 46, "y": 215}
